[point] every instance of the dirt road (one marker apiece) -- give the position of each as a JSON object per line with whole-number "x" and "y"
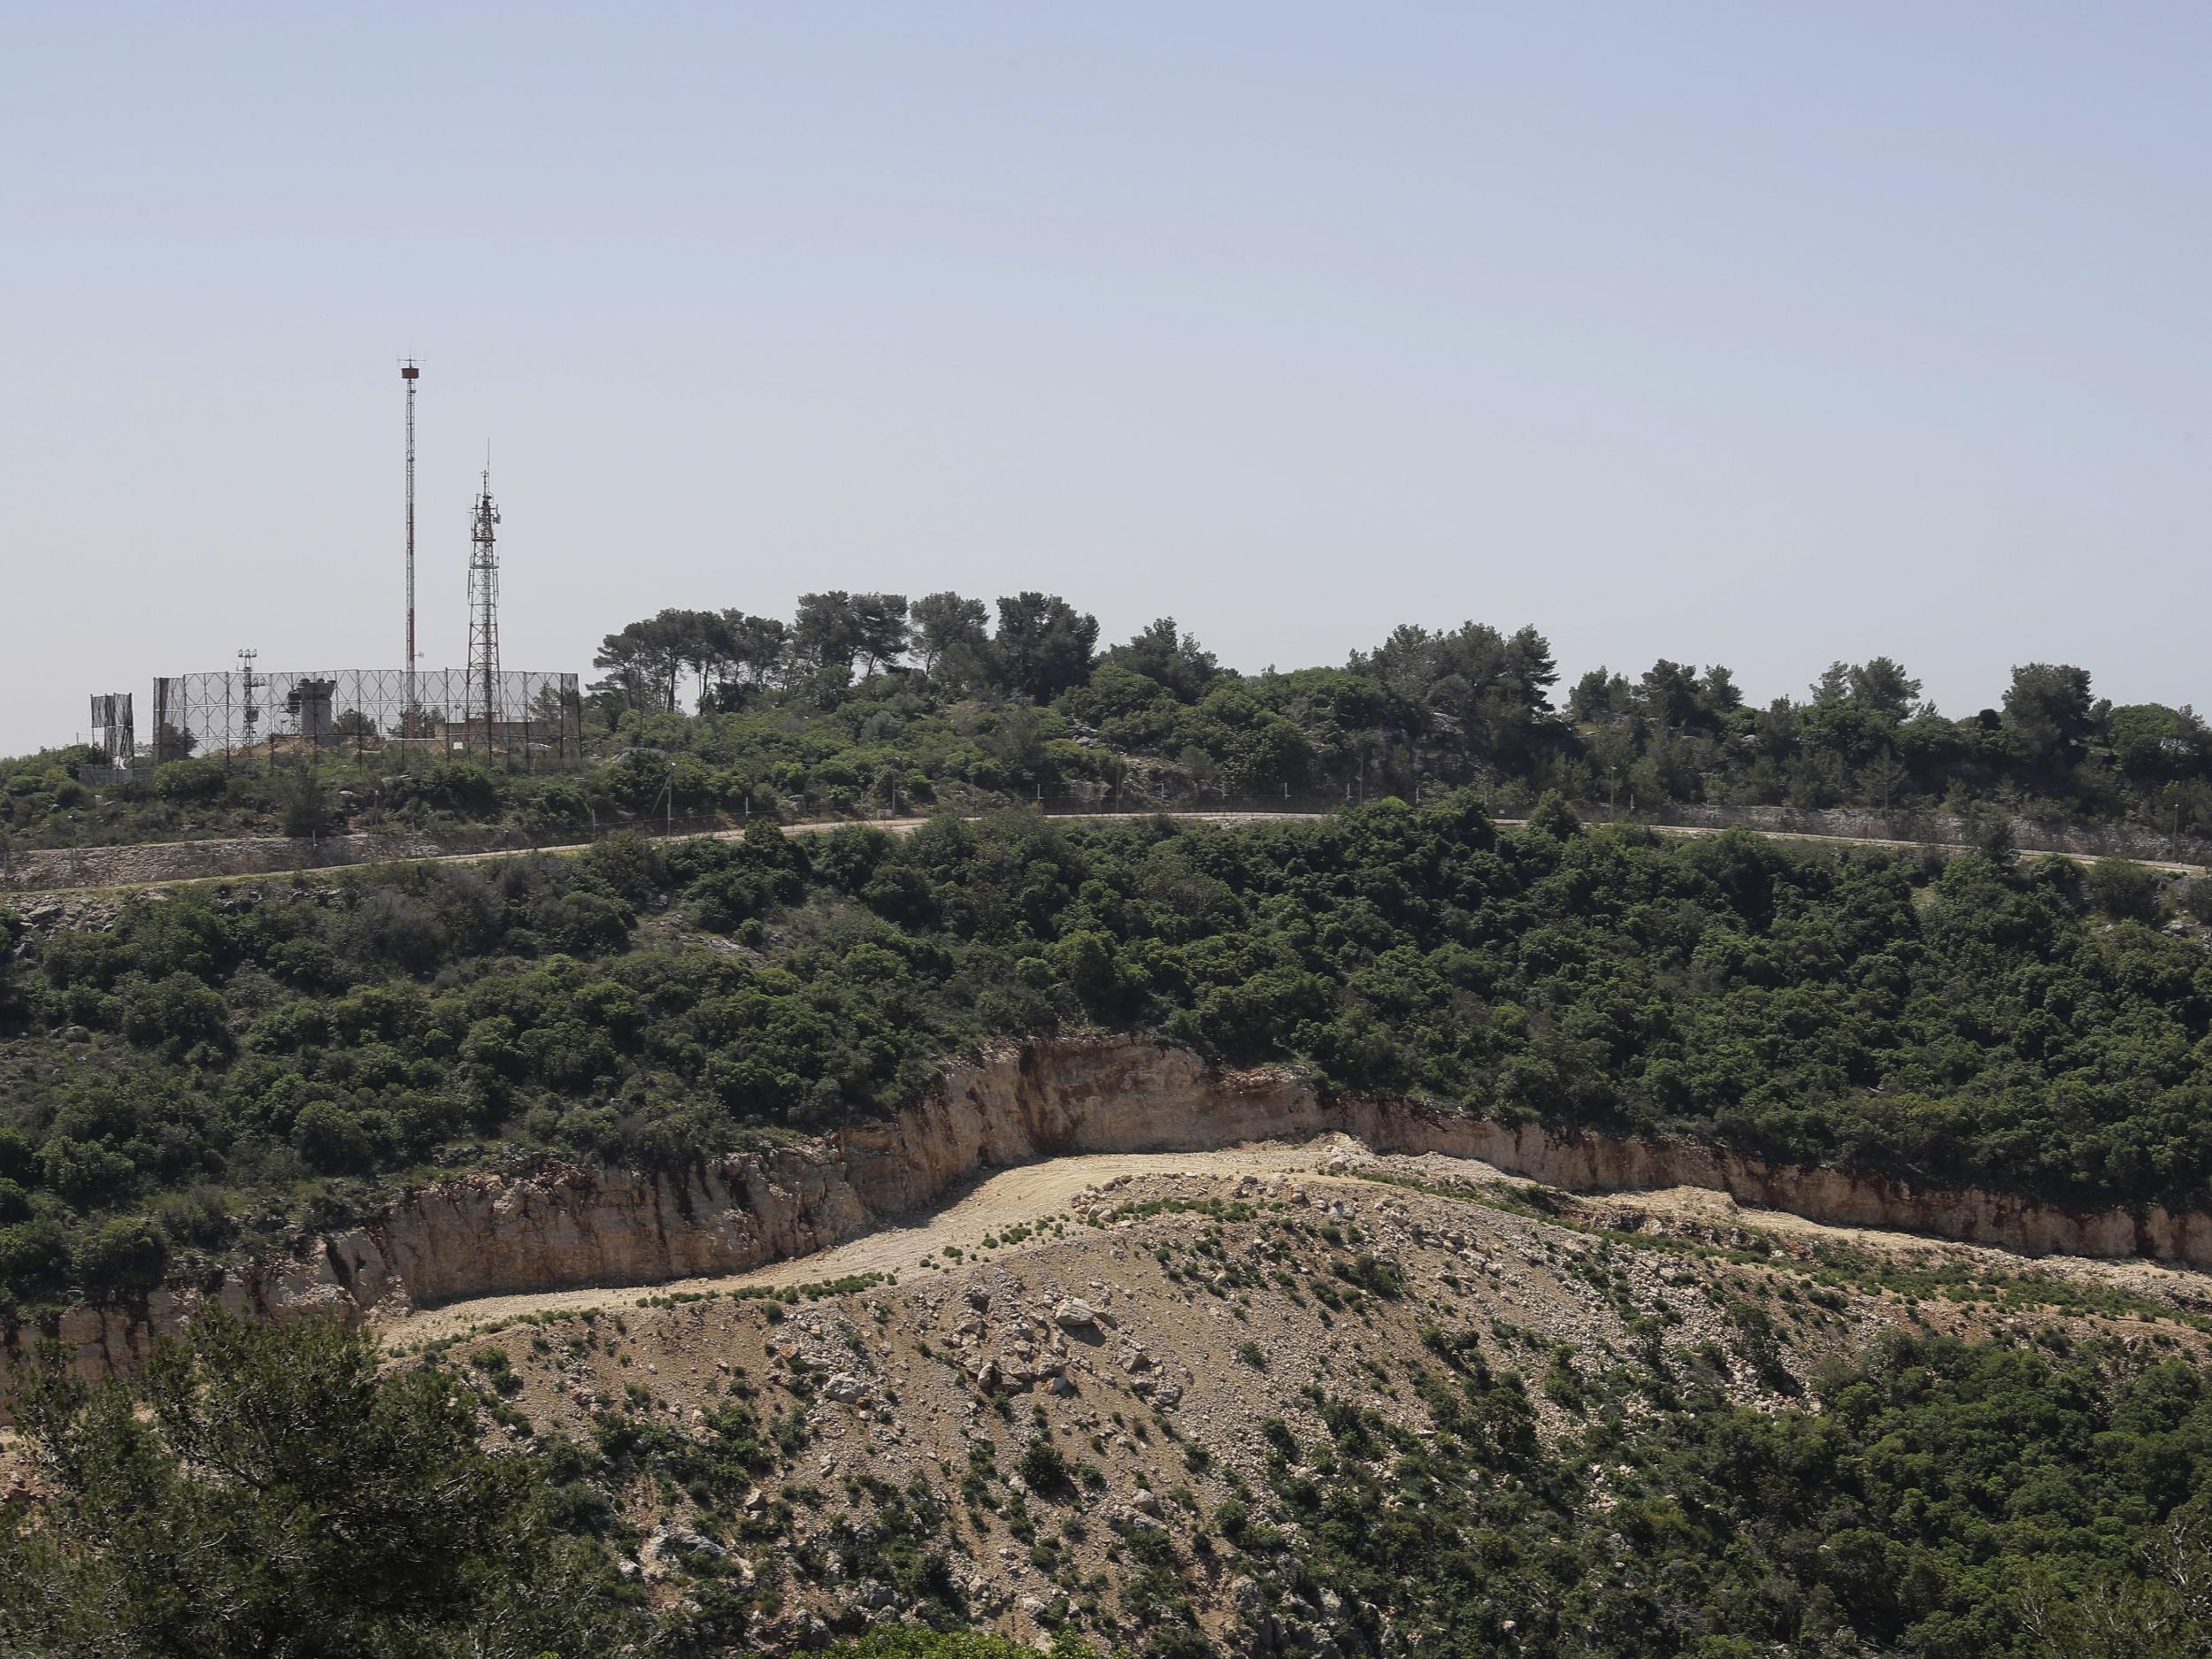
{"x": 2162, "y": 865}
{"x": 1024, "y": 1195}
{"x": 569, "y": 849}
{"x": 908, "y": 825}
{"x": 1032, "y": 1195}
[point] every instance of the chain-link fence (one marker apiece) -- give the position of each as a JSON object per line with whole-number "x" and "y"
{"x": 1118, "y": 803}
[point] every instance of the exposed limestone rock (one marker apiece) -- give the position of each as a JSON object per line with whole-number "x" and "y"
{"x": 488, "y": 1234}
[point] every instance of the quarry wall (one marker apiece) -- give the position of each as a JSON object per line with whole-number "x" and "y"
{"x": 564, "y": 1227}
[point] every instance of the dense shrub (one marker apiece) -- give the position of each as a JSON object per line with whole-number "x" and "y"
{"x": 119, "y": 1257}
{"x": 1986, "y": 1020}
{"x": 283, "y": 1492}
{"x": 1946, "y": 1499}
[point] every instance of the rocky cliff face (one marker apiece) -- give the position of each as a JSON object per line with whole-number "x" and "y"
{"x": 488, "y": 1234}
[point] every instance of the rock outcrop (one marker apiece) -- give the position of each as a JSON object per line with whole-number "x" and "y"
{"x": 563, "y": 1227}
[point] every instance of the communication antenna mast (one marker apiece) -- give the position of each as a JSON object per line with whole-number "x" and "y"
{"x": 249, "y": 682}
{"x": 483, "y": 671}
{"x": 410, "y": 373}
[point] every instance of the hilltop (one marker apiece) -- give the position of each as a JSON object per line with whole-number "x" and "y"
{"x": 865, "y": 705}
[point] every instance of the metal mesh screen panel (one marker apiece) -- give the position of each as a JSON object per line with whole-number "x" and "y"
{"x": 532, "y": 719}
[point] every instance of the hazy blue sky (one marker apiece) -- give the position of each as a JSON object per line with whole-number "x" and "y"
{"x": 1762, "y": 335}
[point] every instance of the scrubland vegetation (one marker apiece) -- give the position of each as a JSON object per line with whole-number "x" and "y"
{"x": 863, "y": 703}
{"x": 283, "y": 1491}
{"x": 215, "y": 1068}
{"x": 218, "y": 1066}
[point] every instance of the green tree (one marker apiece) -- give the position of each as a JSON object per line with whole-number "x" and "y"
{"x": 1881, "y": 777}
{"x": 643, "y": 661}
{"x": 827, "y": 631}
{"x": 2048, "y": 710}
{"x": 1883, "y": 685}
{"x": 1599, "y": 694}
{"x": 1668, "y": 693}
{"x": 121, "y": 1257}
{"x": 881, "y": 630}
{"x": 951, "y": 636}
{"x": 1043, "y": 645}
{"x": 756, "y": 646}
{"x": 1169, "y": 656}
{"x": 2152, "y": 740}
{"x": 284, "y": 1496}
{"x": 305, "y": 805}
{"x": 2124, "y": 889}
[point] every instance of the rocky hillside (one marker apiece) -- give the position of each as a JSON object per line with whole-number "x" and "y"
{"x": 548, "y": 1229}
{"x": 1133, "y": 1410}
{"x": 1296, "y": 1396}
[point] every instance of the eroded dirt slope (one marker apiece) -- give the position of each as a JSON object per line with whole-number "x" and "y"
{"x": 795, "y": 1456}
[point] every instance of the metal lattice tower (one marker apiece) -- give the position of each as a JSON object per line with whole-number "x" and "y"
{"x": 248, "y": 684}
{"x": 483, "y": 669}
{"x": 410, "y": 373}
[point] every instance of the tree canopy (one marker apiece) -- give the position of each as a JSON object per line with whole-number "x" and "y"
{"x": 2009, "y": 1024}
{"x": 285, "y": 1496}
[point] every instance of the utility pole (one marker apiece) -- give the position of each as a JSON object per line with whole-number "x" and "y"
{"x": 410, "y": 373}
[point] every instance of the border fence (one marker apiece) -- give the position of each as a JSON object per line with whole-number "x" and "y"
{"x": 1119, "y": 803}
{"x": 516, "y": 720}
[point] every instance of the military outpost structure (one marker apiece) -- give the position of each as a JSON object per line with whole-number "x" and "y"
{"x": 514, "y": 719}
